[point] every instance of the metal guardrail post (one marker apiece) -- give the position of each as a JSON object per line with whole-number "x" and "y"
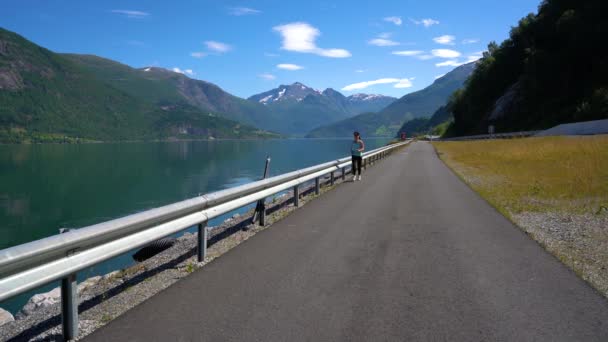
{"x": 260, "y": 208}
{"x": 317, "y": 186}
{"x": 263, "y": 214}
{"x": 296, "y": 195}
{"x": 202, "y": 241}
{"x": 69, "y": 303}
{"x": 69, "y": 307}
{"x": 331, "y": 178}
{"x": 343, "y": 174}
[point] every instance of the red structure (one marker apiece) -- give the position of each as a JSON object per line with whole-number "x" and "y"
{"x": 403, "y": 137}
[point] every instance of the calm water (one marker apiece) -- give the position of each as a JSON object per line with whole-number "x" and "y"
{"x": 47, "y": 187}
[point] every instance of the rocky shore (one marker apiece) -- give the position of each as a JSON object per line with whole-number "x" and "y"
{"x": 103, "y": 298}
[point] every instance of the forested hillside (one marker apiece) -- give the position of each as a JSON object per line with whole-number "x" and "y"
{"x": 553, "y": 69}
{"x": 48, "y": 97}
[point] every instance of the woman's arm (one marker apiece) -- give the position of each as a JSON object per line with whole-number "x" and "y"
{"x": 362, "y": 146}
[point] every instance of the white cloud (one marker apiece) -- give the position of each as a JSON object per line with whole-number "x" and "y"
{"x": 238, "y": 11}
{"x": 470, "y": 41}
{"x": 300, "y": 37}
{"x": 198, "y": 54}
{"x": 268, "y": 54}
{"x": 217, "y": 46}
{"x": 439, "y": 76}
{"x": 425, "y": 57}
{"x": 445, "y": 53}
{"x": 426, "y": 22}
{"x": 475, "y": 56}
{"x": 289, "y": 66}
{"x": 408, "y": 53}
{"x": 399, "y": 83}
{"x": 445, "y": 40}
{"x": 404, "y": 83}
{"x": 360, "y": 70}
{"x": 454, "y": 63}
{"x": 266, "y": 76}
{"x": 395, "y": 20}
{"x": 131, "y": 14}
{"x": 385, "y": 35}
{"x": 382, "y": 42}
{"x": 188, "y": 72}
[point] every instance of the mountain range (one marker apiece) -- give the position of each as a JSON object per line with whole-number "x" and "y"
{"x": 47, "y": 96}
{"x": 418, "y": 104}
{"x": 302, "y": 108}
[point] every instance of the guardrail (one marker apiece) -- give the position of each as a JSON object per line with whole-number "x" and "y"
{"x": 511, "y": 135}
{"x": 34, "y": 264}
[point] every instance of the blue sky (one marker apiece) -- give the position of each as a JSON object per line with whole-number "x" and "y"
{"x": 247, "y": 47}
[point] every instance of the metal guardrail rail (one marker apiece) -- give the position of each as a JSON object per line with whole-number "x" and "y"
{"x": 511, "y": 135}
{"x": 34, "y": 264}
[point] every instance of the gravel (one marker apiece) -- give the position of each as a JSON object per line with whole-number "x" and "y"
{"x": 579, "y": 241}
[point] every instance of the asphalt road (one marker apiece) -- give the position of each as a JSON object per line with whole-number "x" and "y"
{"x": 408, "y": 254}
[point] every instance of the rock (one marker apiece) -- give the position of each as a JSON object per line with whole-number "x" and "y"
{"x": 112, "y": 275}
{"x": 5, "y": 317}
{"x": 236, "y": 216}
{"x": 39, "y": 301}
{"x": 507, "y": 103}
{"x": 88, "y": 283}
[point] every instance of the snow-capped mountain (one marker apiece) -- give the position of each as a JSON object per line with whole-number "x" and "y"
{"x": 297, "y": 92}
{"x": 305, "y": 108}
{"x": 294, "y": 92}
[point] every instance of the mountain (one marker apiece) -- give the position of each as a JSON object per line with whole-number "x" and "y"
{"x": 165, "y": 87}
{"x": 551, "y": 70}
{"x": 46, "y": 96}
{"x": 418, "y": 104}
{"x": 302, "y": 108}
{"x": 284, "y": 93}
{"x": 436, "y": 124}
{"x": 363, "y": 103}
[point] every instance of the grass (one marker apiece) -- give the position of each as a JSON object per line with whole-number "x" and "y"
{"x": 552, "y": 174}
{"x": 554, "y": 188}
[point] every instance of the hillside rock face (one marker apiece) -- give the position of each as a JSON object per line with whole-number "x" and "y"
{"x": 507, "y": 103}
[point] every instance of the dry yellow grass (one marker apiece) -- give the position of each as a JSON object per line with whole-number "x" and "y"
{"x": 552, "y": 174}
{"x": 555, "y": 189}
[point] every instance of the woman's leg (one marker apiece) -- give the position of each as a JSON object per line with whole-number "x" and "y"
{"x": 354, "y": 165}
{"x": 359, "y": 160}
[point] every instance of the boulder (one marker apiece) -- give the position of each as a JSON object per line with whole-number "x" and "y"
{"x": 39, "y": 301}
{"x": 5, "y": 317}
{"x": 88, "y": 283}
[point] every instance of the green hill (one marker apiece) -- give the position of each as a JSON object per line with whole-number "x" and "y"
{"x": 435, "y": 125}
{"x": 46, "y": 96}
{"x": 387, "y": 122}
{"x": 553, "y": 69}
{"x": 165, "y": 87}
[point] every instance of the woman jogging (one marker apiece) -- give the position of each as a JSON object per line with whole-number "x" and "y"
{"x": 357, "y": 148}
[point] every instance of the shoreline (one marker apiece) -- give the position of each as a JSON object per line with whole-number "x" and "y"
{"x": 103, "y": 298}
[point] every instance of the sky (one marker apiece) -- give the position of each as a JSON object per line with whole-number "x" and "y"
{"x": 390, "y": 47}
